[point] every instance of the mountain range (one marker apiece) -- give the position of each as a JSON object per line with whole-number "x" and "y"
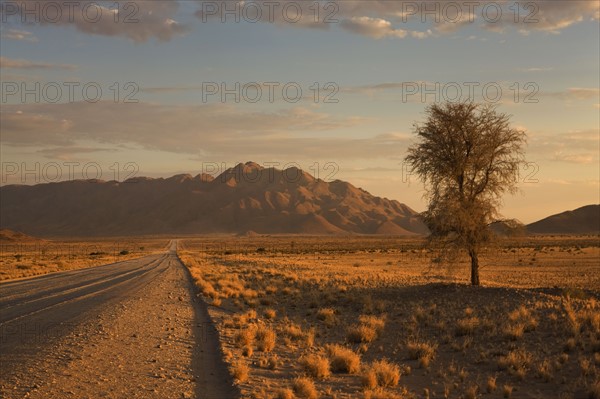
{"x": 245, "y": 198}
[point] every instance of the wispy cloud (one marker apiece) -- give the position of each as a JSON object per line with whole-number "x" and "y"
{"x": 577, "y": 147}
{"x": 573, "y": 94}
{"x": 68, "y": 153}
{"x": 535, "y": 69}
{"x": 16, "y": 34}
{"x": 378, "y": 28}
{"x": 10, "y": 63}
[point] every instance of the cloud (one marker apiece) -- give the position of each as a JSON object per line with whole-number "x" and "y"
{"x": 68, "y": 152}
{"x": 546, "y": 16}
{"x": 581, "y": 159}
{"x": 583, "y": 93}
{"x": 376, "y": 28}
{"x": 574, "y": 94}
{"x": 578, "y": 146}
{"x": 215, "y": 130}
{"x": 16, "y": 34}
{"x": 376, "y": 19}
{"x": 135, "y": 20}
{"x": 10, "y": 63}
{"x": 383, "y": 18}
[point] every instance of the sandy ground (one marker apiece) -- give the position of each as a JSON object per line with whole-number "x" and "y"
{"x": 131, "y": 330}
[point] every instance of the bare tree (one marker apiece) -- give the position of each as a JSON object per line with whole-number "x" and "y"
{"x": 467, "y": 156}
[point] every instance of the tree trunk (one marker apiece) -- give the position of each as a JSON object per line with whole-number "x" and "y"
{"x": 474, "y": 267}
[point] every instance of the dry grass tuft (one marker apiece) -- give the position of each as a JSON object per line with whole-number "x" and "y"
{"x": 284, "y": 393}
{"x": 515, "y": 331}
{"x": 517, "y": 362}
{"x": 491, "y": 384}
{"x": 316, "y": 366}
{"x": 245, "y": 337}
{"x": 292, "y": 331}
{"x": 374, "y": 322}
{"x": 520, "y": 321}
{"x": 466, "y": 326}
{"x": 327, "y": 316}
{"x": 265, "y": 339}
{"x": 369, "y": 379}
{"x": 367, "y": 330}
{"x": 270, "y": 314}
{"x": 342, "y": 359}
{"x": 471, "y": 392}
{"x": 423, "y": 351}
{"x": 240, "y": 371}
{"x": 545, "y": 370}
{"x": 361, "y": 334}
{"x": 305, "y": 388}
{"x": 382, "y": 394}
{"x": 381, "y": 373}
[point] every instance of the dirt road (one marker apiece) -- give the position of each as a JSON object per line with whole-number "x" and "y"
{"x": 133, "y": 329}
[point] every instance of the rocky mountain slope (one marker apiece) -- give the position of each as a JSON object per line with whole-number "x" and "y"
{"x": 244, "y": 198}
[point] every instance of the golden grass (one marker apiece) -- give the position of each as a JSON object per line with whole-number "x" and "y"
{"x": 467, "y": 326}
{"x": 270, "y": 314}
{"x": 342, "y": 359}
{"x": 317, "y": 366}
{"x": 245, "y": 337}
{"x": 422, "y": 351}
{"x": 517, "y": 362}
{"x": 284, "y": 393}
{"x": 381, "y": 373}
{"x": 382, "y": 394}
{"x": 240, "y": 371}
{"x": 491, "y": 384}
{"x": 305, "y": 388}
{"x": 327, "y": 316}
{"x": 361, "y": 333}
{"x": 265, "y": 339}
{"x": 397, "y": 307}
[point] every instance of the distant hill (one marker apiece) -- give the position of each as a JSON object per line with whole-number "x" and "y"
{"x": 584, "y": 220}
{"x": 245, "y": 198}
{"x": 10, "y": 236}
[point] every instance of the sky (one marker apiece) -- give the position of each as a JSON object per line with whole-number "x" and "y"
{"x": 113, "y": 90}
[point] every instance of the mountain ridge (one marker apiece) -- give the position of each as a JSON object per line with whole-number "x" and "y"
{"x": 246, "y": 197}
{"x": 582, "y": 220}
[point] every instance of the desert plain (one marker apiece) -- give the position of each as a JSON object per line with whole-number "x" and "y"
{"x": 354, "y": 316}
